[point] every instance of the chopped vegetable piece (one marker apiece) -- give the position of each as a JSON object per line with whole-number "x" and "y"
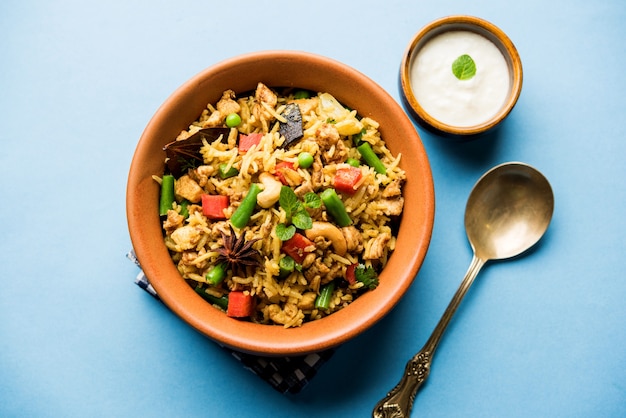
{"x": 184, "y": 208}
{"x": 292, "y": 130}
{"x": 184, "y": 154}
{"x": 286, "y": 265}
{"x": 224, "y": 173}
{"x": 247, "y": 141}
{"x": 298, "y": 247}
{"x": 346, "y": 179}
{"x": 357, "y": 138}
{"x": 242, "y": 215}
{"x": 335, "y": 207}
{"x": 326, "y": 294}
{"x": 233, "y": 120}
{"x": 279, "y": 171}
{"x": 302, "y": 94}
{"x": 353, "y": 162}
{"x": 332, "y": 108}
{"x": 350, "y": 274}
{"x": 366, "y": 275}
{"x": 216, "y": 275}
{"x": 213, "y": 206}
{"x": 366, "y": 151}
{"x": 222, "y": 302}
{"x": 167, "y": 194}
{"x": 240, "y": 304}
{"x": 305, "y": 159}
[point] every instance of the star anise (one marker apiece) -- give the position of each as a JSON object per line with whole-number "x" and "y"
{"x": 237, "y": 253}
{"x": 185, "y": 153}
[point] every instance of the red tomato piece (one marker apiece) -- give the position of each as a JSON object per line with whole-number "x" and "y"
{"x": 350, "y": 275}
{"x": 213, "y": 206}
{"x": 240, "y": 304}
{"x": 346, "y": 180}
{"x": 297, "y": 247}
{"x": 247, "y": 141}
{"x": 280, "y": 171}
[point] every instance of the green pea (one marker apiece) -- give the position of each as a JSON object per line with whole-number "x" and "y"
{"x": 353, "y": 162}
{"x": 305, "y": 159}
{"x": 233, "y": 120}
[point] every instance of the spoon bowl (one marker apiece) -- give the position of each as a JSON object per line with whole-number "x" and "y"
{"x": 507, "y": 212}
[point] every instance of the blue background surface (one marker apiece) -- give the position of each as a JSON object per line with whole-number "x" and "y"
{"x": 540, "y": 336}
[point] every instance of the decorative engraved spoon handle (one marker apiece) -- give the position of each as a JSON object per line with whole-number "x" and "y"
{"x": 399, "y": 400}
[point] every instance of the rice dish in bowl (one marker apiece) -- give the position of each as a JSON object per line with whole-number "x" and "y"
{"x": 294, "y": 197}
{"x": 282, "y": 206}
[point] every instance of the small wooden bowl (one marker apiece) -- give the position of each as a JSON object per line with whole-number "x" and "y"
{"x": 280, "y": 69}
{"x": 461, "y": 23}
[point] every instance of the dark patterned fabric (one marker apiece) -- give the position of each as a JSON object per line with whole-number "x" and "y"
{"x": 285, "y": 374}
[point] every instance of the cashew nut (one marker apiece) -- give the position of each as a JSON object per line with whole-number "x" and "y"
{"x": 331, "y": 233}
{"x": 271, "y": 191}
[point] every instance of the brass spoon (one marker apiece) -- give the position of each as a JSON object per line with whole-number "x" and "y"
{"x": 507, "y": 212}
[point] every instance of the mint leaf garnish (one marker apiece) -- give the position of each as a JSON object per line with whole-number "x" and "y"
{"x": 295, "y": 212}
{"x": 288, "y": 201}
{"x": 284, "y": 232}
{"x": 312, "y": 200}
{"x": 302, "y": 220}
{"x": 464, "y": 67}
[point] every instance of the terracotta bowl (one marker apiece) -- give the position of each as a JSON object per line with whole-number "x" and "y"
{"x": 279, "y": 69}
{"x": 480, "y": 27}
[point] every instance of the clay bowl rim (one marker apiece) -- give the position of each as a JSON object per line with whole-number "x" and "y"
{"x": 481, "y": 27}
{"x": 315, "y": 72}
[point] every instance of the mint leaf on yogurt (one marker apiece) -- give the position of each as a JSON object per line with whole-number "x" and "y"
{"x": 464, "y": 67}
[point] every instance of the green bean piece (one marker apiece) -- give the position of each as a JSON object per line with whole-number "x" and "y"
{"x": 302, "y": 94}
{"x": 167, "y": 194}
{"x": 370, "y": 157}
{"x": 286, "y": 265}
{"x": 216, "y": 275}
{"x": 222, "y": 302}
{"x": 243, "y": 213}
{"x": 224, "y": 174}
{"x": 184, "y": 208}
{"x": 335, "y": 207}
{"x": 353, "y": 162}
{"x": 357, "y": 139}
{"x": 323, "y": 299}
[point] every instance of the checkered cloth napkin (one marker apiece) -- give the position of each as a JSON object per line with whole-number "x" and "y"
{"x": 285, "y": 374}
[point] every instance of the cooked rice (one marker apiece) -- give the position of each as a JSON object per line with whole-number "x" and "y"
{"x": 287, "y": 301}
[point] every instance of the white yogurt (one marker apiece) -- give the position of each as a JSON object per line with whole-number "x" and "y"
{"x": 455, "y": 102}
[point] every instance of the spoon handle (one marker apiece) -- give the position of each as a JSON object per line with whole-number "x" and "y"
{"x": 399, "y": 400}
